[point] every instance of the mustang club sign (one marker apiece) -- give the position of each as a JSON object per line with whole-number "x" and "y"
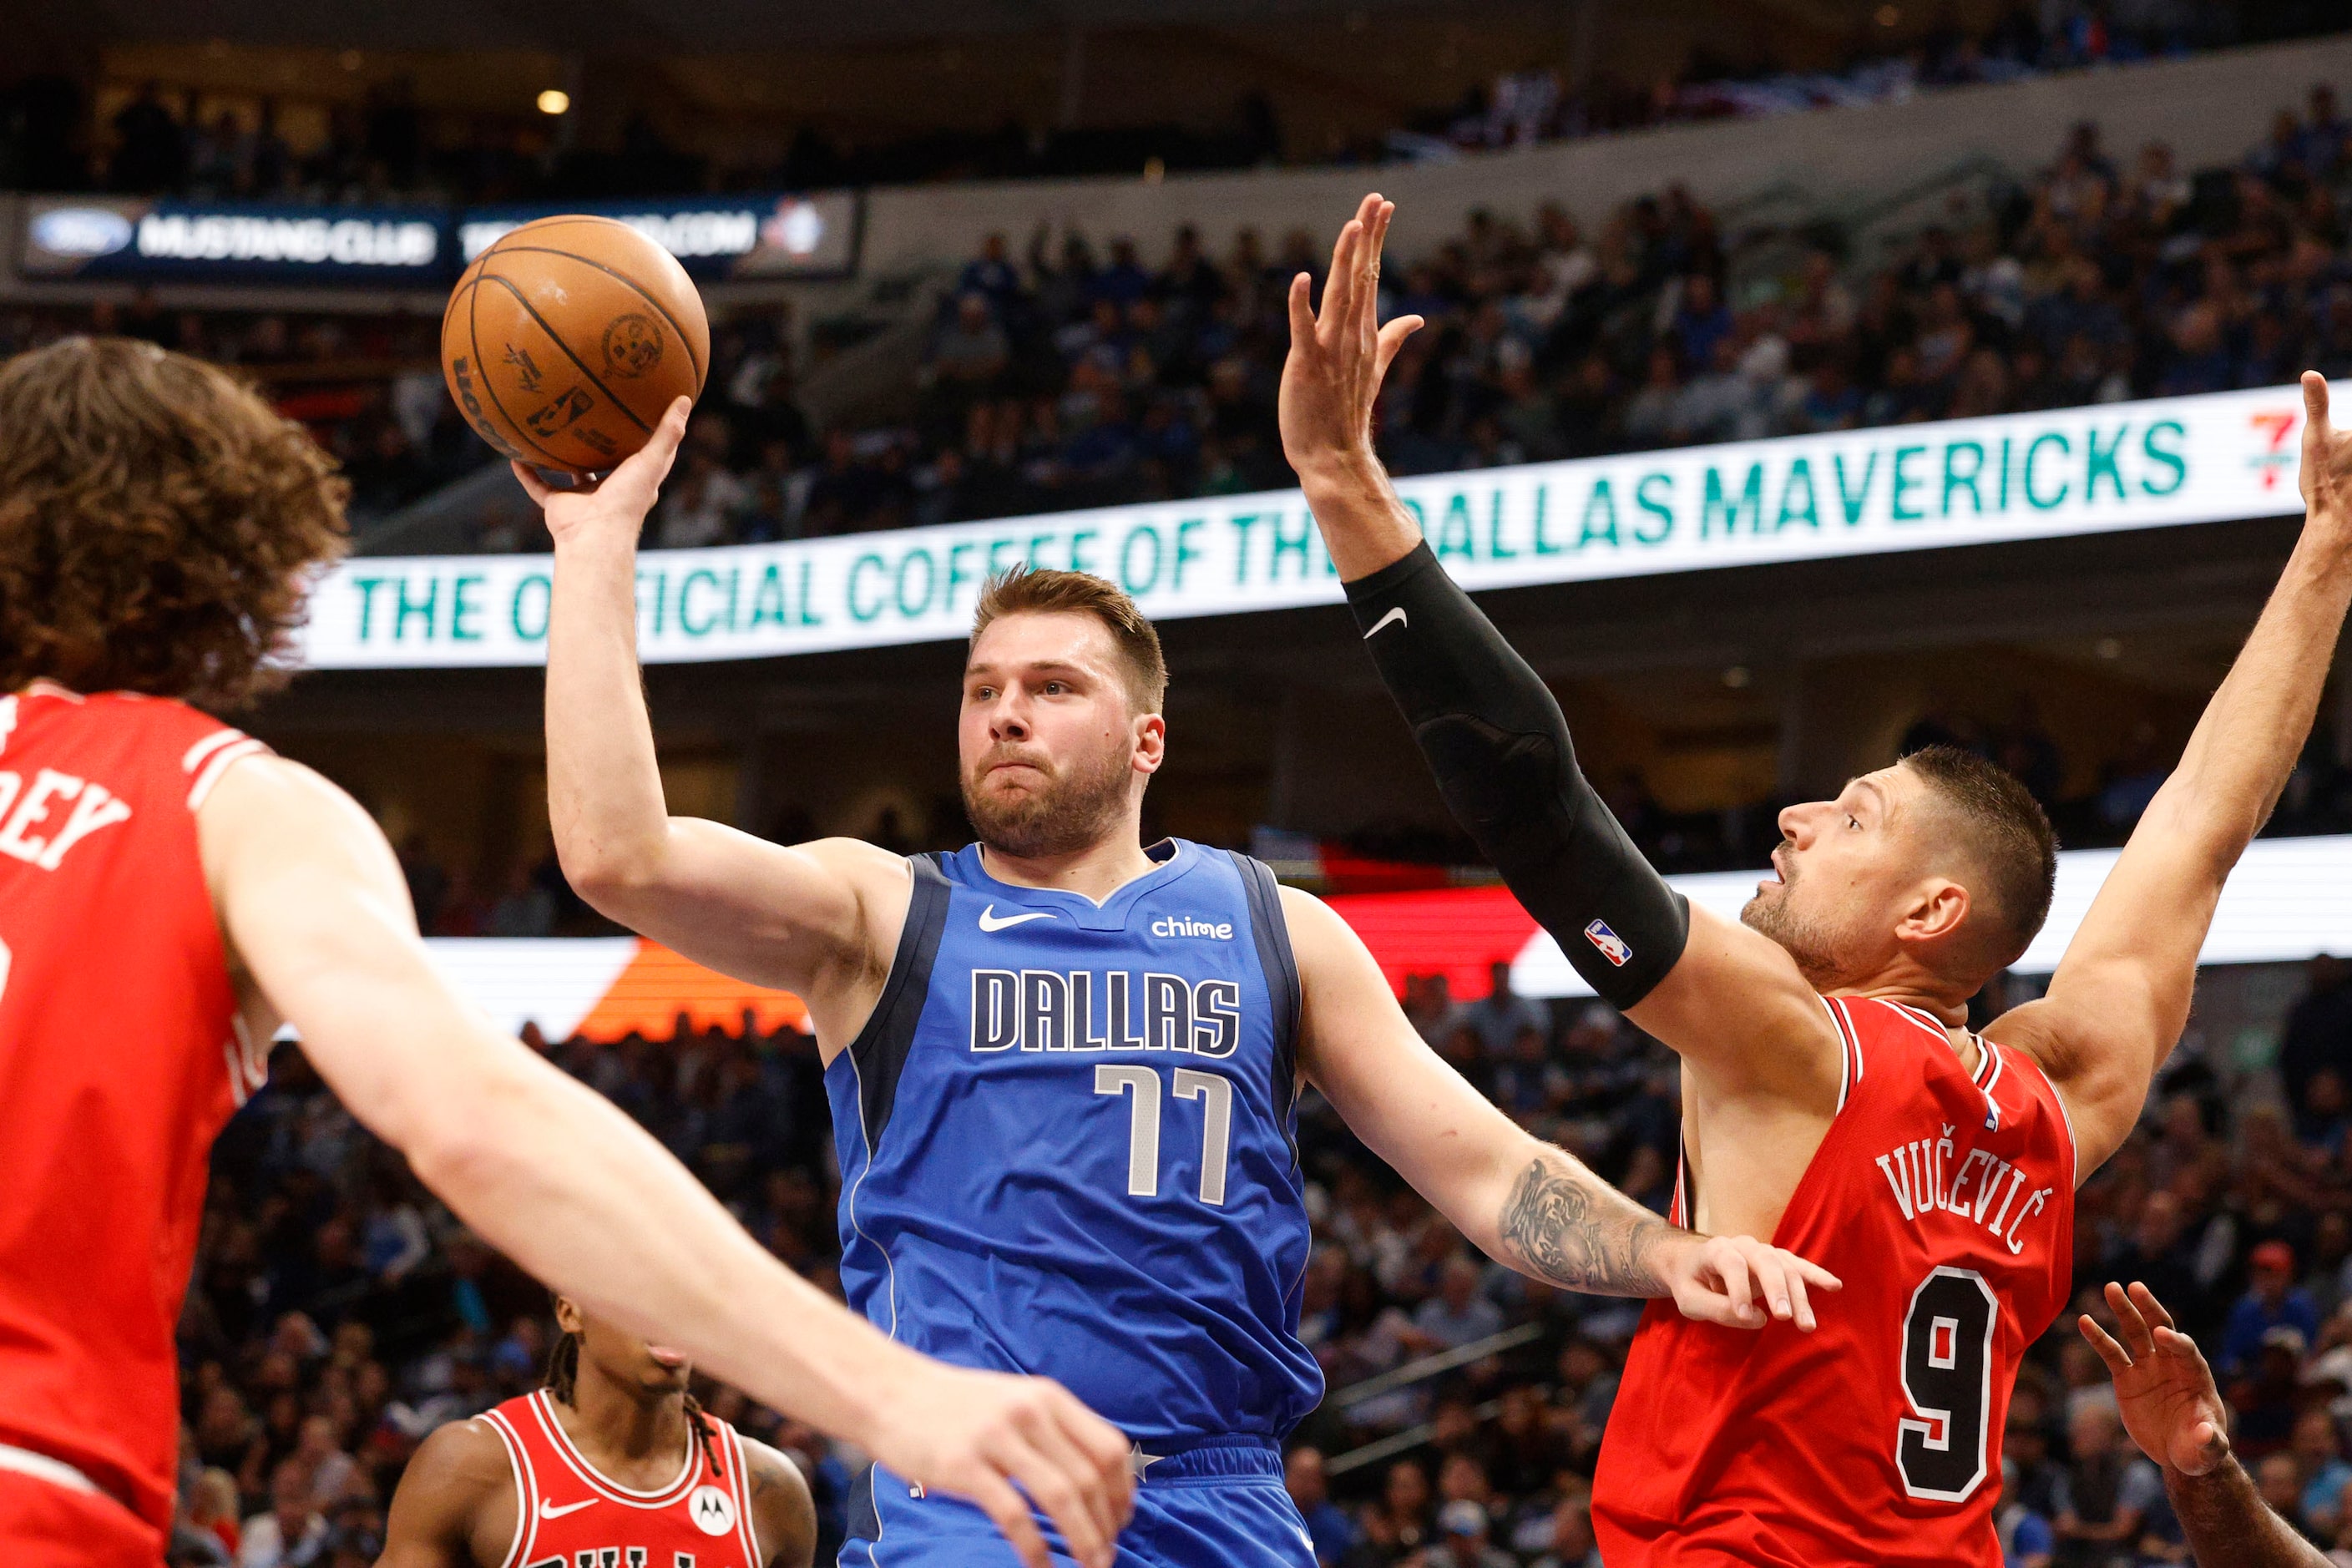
{"x": 2101, "y": 469}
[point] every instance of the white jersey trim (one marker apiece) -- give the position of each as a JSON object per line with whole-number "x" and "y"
{"x": 526, "y": 1533}
{"x": 743, "y": 1525}
{"x": 223, "y": 760}
{"x": 542, "y": 1406}
{"x": 1845, "y": 1052}
{"x": 40, "y": 1466}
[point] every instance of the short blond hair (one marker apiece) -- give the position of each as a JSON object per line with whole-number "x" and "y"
{"x": 1043, "y": 590}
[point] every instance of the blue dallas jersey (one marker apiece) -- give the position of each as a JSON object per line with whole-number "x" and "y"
{"x": 1066, "y": 1142}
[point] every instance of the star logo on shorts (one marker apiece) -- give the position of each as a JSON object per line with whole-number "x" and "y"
{"x": 1139, "y": 1461}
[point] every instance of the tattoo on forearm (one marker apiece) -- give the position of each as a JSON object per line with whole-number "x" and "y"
{"x": 1580, "y": 1233}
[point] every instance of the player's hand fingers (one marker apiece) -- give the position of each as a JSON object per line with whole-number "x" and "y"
{"x": 993, "y": 1496}
{"x": 2118, "y": 1359}
{"x": 1105, "y": 1447}
{"x": 2143, "y": 1301}
{"x": 1090, "y": 1486}
{"x": 1302, "y": 311}
{"x": 2314, "y": 411}
{"x": 1374, "y": 215}
{"x": 1392, "y": 337}
{"x": 1339, "y": 287}
{"x": 1060, "y": 1498}
{"x": 532, "y": 485}
{"x": 1771, "y": 1282}
{"x": 652, "y": 460}
{"x": 2130, "y": 1326}
{"x": 1801, "y": 1306}
{"x": 1738, "y": 1288}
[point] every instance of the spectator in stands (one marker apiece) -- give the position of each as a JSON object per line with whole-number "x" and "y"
{"x": 292, "y": 1533}
{"x": 1499, "y": 1015}
{"x": 1329, "y": 1528}
{"x": 2272, "y": 1300}
{"x": 1458, "y": 1314}
{"x": 1462, "y": 1527}
{"x": 2109, "y": 1489}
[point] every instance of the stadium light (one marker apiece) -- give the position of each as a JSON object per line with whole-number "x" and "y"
{"x": 554, "y": 101}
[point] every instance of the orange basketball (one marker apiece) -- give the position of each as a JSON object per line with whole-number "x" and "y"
{"x": 567, "y": 339}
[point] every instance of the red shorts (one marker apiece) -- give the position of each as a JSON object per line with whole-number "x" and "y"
{"x": 43, "y": 1525}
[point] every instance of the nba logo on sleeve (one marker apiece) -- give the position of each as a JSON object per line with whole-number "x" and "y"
{"x": 1612, "y": 946}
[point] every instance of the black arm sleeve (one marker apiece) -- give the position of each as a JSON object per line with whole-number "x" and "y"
{"x": 1499, "y": 747}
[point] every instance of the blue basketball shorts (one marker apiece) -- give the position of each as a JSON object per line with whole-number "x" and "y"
{"x": 1220, "y": 1505}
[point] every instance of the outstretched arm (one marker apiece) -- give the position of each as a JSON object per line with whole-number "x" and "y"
{"x": 2175, "y": 1413}
{"x": 1496, "y": 742}
{"x": 546, "y": 1171}
{"x": 1527, "y": 1203}
{"x": 2120, "y": 999}
{"x": 436, "y": 1519}
{"x": 805, "y": 918}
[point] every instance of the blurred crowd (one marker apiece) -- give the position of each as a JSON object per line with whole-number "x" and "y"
{"x": 339, "y": 1313}
{"x": 1060, "y": 374}
{"x": 1067, "y": 375}
{"x": 389, "y": 144}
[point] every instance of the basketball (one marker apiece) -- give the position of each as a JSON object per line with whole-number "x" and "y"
{"x": 566, "y": 340}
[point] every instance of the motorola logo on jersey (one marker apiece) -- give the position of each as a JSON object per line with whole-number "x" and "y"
{"x": 1088, "y": 1010}
{"x": 712, "y": 1510}
{"x": 1185, "y": 925}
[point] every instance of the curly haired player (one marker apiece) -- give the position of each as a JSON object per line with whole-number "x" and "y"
{"x": 612, "y": 1462}
{"x": 170, "y": 893}
{"x": 1832, "y": 1096}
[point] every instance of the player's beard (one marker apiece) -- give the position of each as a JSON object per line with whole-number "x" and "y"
{"x": 1072, "y": 808}
{"x": 1809, "y": 940}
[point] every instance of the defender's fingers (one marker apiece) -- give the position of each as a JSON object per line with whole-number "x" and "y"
{"x": 1006, "y": 1510}
{"x": 1060, "y": 1498}
{"x": 1339, "y": 287}
{"x": 1089, "y": 1488}
{"x": 1392, "y": 337}
{"x": 2118, "y": 1360}
{"x": 2130, "y": 1326}
{"x": 2172, "y": 1341}
{"x": 1302, "y": 313}
{"x": 2154, "y": 1310}
{"x": 2314, "y": 408}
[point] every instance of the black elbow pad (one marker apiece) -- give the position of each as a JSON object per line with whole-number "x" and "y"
{"x": 1500, "y": 748}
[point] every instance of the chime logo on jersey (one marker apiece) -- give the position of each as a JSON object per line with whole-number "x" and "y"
{"x": 712, "y": 1510}
{"x": 1612, "y": 946}
{"x": 1047, "y": 1010}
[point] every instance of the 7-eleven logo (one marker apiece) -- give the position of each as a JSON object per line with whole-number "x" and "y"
{"x": 2275, "y": 459}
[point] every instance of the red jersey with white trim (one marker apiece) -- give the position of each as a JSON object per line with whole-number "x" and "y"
{"x": 1945, "y": 1202}
{"x": 120, "y": 1060}
{"x": 570, "y": 1516}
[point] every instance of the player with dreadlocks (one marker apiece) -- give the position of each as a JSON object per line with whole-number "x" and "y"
{"x": 612, "y": 1462}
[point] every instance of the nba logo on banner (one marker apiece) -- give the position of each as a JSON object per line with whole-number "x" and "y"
{"x": 1612, "y": 946}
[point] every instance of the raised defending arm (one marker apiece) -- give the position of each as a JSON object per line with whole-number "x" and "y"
{"x": 2119, "y": 998}
{"x": 1495, "y": 737}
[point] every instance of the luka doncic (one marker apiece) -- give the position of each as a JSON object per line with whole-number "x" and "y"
{"x": 1063, "y": 1068}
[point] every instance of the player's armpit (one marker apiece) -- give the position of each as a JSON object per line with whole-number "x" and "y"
{"x": 442, "y": 1512}
{"x": 1736, "y": 1007}
{"x": 783, "y": 1513}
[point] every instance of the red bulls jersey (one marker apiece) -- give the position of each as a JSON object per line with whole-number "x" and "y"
{"x": 119, "y": 1059}
{"x": 572, "y": 1517}
{"x": 1945, "y": 1202}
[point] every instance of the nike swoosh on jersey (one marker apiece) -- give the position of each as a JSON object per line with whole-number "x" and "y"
{"x": 991, "y": 921}
{"x": 1396, "y": 615}
{"x": 549, "y": 1511}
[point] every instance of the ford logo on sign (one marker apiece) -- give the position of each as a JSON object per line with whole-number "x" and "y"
{"x": 81, "y": 231}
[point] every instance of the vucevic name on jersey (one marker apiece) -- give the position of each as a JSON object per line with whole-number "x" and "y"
{"x": 1066, "y": 1142}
